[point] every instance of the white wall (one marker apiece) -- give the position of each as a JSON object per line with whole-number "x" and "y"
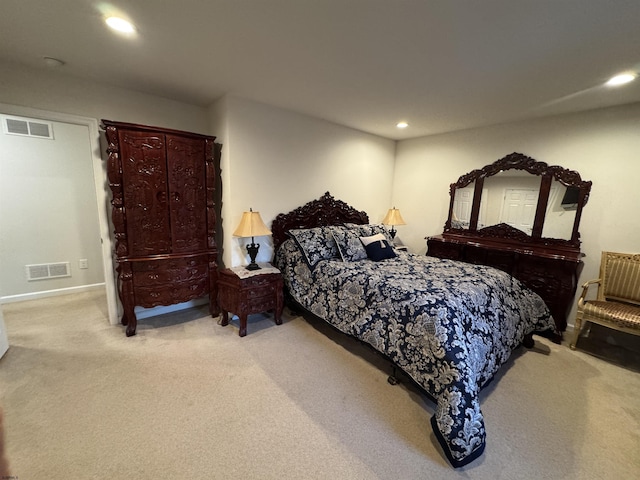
{"x": 52, "y": 90}
{"x": 275, "y": 160}
{"x": 48, "y": 209}
{"x": 602, "y": 145}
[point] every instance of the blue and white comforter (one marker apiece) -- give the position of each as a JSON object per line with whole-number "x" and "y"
{"x": 449, "y": 325}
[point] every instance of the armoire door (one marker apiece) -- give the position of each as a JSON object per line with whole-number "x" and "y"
{"x": 145, "y": 192}
{"x": 187, "y": 193}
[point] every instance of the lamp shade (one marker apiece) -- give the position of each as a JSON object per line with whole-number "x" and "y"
{"x": 393, "y": 217}
{"x": 251, "y": 225}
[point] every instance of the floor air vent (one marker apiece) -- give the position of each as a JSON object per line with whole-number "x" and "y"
{"x": 28, "y": 127}
{"x": 44, "y": 271}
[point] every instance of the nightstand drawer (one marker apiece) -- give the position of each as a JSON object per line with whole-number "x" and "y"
{"x": 261, "y": 304}
{"x": 268, "y": 289}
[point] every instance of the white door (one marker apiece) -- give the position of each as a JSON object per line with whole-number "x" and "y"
{"x": 462, "y": 207}
{"x": 462, "y": 203}
{"x": 519, "y": 208}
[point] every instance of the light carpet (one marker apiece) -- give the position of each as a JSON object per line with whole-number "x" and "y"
{"x": 189, "y": 399}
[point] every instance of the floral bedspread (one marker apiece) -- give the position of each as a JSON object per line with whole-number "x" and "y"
{"x": 449, "y": 325}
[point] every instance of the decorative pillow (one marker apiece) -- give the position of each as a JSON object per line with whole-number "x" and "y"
{"x": 377, "y": 247}
{"x": 349, "y": 245}
{"x": 373, "y": 238}
{"x": 316, "y": 244}
{"x": 370, "y": 229}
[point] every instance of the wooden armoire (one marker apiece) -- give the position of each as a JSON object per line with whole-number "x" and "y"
{"x": 164, "y": 216}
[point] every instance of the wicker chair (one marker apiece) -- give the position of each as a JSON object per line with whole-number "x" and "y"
{"x": 617, "y": 304}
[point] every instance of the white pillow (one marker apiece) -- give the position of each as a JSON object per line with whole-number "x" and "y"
{"x": 373, "y": 238}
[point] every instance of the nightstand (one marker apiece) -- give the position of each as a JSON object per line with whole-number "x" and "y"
{"x": 255, "y": 293}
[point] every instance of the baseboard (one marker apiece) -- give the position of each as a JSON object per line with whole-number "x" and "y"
{"x": 50, "y": 293}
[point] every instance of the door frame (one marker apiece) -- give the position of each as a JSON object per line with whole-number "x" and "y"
{"x": 100, "y": 182}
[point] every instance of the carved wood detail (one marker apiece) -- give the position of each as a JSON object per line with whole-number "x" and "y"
{"x": 324, "y": 211}
{"x": 163, "y": 214}
{"x": 518, "y": 161}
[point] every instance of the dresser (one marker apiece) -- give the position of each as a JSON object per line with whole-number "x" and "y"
{"x": 521, "y": 216}
{"x": 551, "y": 274}
{"x": 163, "y": 185}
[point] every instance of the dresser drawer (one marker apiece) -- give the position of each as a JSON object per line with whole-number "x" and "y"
{"x": 152, "y": 265}
{"x": 439, "y": 249}
{"x": 152, "y": 296}
{"x": 162, "y": 272}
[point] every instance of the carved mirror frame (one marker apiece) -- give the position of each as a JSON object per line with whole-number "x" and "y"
{"x": 518, "y": 161}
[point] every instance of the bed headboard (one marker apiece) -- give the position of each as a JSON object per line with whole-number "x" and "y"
{"x": 317, "y": 213}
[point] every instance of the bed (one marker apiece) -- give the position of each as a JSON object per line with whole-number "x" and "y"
{"x": 448, "y": 325}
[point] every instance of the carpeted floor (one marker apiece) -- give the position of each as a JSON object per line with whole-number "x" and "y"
{"x": 189, "y": 399}
{"x": 613, "y": 346}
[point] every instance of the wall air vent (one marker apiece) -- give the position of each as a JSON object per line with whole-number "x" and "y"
{"x": 45, "y": 271}
{"x": 28, "y": 127}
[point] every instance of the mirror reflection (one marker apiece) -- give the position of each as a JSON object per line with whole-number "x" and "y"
{"x": 521, "y": 199}
{"x": 561, "y": 211}
{"x": 462, "y": 202}
{"x": 510, "y": 197}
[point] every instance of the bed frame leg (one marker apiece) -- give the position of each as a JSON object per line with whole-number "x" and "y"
{"x": 528, "y": 341}
{"x": 393, "y": 378}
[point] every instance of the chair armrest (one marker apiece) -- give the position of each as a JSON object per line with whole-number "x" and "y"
{"x": 585, "y": 290}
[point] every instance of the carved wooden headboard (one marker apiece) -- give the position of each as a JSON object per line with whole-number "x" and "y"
{"x": 317, "y": 213}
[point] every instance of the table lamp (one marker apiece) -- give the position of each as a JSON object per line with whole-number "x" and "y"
{"x": 251, "y": 225}
{"x": 393, "y": 218}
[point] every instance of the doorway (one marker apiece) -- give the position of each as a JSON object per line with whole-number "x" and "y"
{"x": 43, "y": 188}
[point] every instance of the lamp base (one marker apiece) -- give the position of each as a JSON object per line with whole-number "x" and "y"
{"x": 252, "y": 250}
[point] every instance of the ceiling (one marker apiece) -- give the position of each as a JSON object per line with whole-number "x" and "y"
{"x": 440, "y": 65}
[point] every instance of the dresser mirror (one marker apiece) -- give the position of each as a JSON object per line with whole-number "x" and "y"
{"x": 519, "y": 197}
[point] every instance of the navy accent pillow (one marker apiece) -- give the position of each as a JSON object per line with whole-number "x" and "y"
{"x": 379, "y": 250}
{"x": 316, "y": 244}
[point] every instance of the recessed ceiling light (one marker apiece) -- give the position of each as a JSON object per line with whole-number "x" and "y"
{"x": 120, "y": 25}
{"x": 402, "y": 125}
{"x": 621, "y": 79}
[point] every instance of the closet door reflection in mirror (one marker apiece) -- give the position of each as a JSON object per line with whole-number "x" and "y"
{"x": 462, "y": 202}
{"x": 510, "y": 197}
